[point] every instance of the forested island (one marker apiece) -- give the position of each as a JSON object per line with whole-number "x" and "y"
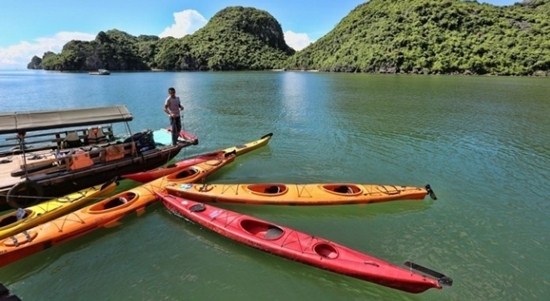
{"x": 379, "y": 36}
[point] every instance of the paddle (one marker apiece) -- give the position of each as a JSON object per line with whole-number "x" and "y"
{"x": 444, "y": 280}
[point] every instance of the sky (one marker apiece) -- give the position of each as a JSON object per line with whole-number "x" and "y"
{"x": 33, "y": 27}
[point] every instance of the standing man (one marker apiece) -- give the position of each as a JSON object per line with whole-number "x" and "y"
{"x": 173, "y": 107}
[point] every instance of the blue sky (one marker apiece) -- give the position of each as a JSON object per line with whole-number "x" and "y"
{"x": 32, "y": 27}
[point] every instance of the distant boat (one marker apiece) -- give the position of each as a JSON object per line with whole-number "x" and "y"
{"x": 101, "y": 72}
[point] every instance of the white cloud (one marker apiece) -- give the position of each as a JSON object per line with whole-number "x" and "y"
{"x": 298, "y": 41}
{"x": 186, "y": 22}
{"x": 19, "y": 55}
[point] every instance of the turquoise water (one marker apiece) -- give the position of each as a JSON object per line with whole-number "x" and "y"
{"x": 483, "y": 143}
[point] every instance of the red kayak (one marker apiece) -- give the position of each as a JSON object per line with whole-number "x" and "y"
{"x": 239, "y": 149}
{"x": 150, "y": 175}
{"x": 305, "y": 248}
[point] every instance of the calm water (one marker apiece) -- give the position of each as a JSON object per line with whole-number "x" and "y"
{"x": 483, "y": 143}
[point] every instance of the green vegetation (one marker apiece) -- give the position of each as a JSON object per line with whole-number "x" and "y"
{"x": 236, "y": 38}
{"x": 444, "y": 36}
{"x": 381, "y": 36}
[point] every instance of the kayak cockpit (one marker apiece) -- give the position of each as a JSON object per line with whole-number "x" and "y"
{"x": 15, "y": 217}
{"x": 326, "y": 250}
{"x": 268, "y": 189}
{"x": 116, "y": 202}
{"x": 262, "y": 230}
{"x": 186, "y": 173}
{"x": 342, "y": 189}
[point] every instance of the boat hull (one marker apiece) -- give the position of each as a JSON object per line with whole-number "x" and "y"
{"x": 67, "y": 181}
{"x": 300, "y": 194}
{"x": 103, "y": 214}
{"x": 298, "y": 246}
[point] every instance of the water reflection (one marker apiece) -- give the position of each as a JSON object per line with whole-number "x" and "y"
{"x": 481, "y": 142}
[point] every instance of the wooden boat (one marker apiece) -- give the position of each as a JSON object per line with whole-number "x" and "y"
{"x": 103, "y": 214}
{"x": 54, "y": 153}
{"x": 300, "y": 194}
{"x": 302, "y": 247}
{"x": 11, "y": 223}
{"x": 149, "y": 175}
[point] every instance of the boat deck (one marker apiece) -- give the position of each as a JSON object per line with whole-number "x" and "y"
{"x": 46, "y": 162}
{"x": 13, "y": 163}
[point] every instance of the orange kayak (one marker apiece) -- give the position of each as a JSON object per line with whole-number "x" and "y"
{"x": 300, "y": 194}
{"x": 103, "y": 214}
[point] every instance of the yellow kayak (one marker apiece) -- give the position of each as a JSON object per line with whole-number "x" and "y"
{"x": 250, "y": 146}
{"x": 23, "y": 219}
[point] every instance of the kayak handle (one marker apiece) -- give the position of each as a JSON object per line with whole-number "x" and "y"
{"x": 430, "y": 192}
{"x": 442, "y": 279}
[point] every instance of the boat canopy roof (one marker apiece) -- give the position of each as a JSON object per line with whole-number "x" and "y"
{"x": 15, "y": 122}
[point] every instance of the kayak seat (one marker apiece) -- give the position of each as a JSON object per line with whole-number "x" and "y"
{"x": 273, "y": 233}
{"x": 272, "y": 189}
{"x": 343, "y": 189}
{"x": 122, "y": 200}
{"x": 326, "y": 250}
{"x": 116, "y": 202}
{"x": 197, "y": 208}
